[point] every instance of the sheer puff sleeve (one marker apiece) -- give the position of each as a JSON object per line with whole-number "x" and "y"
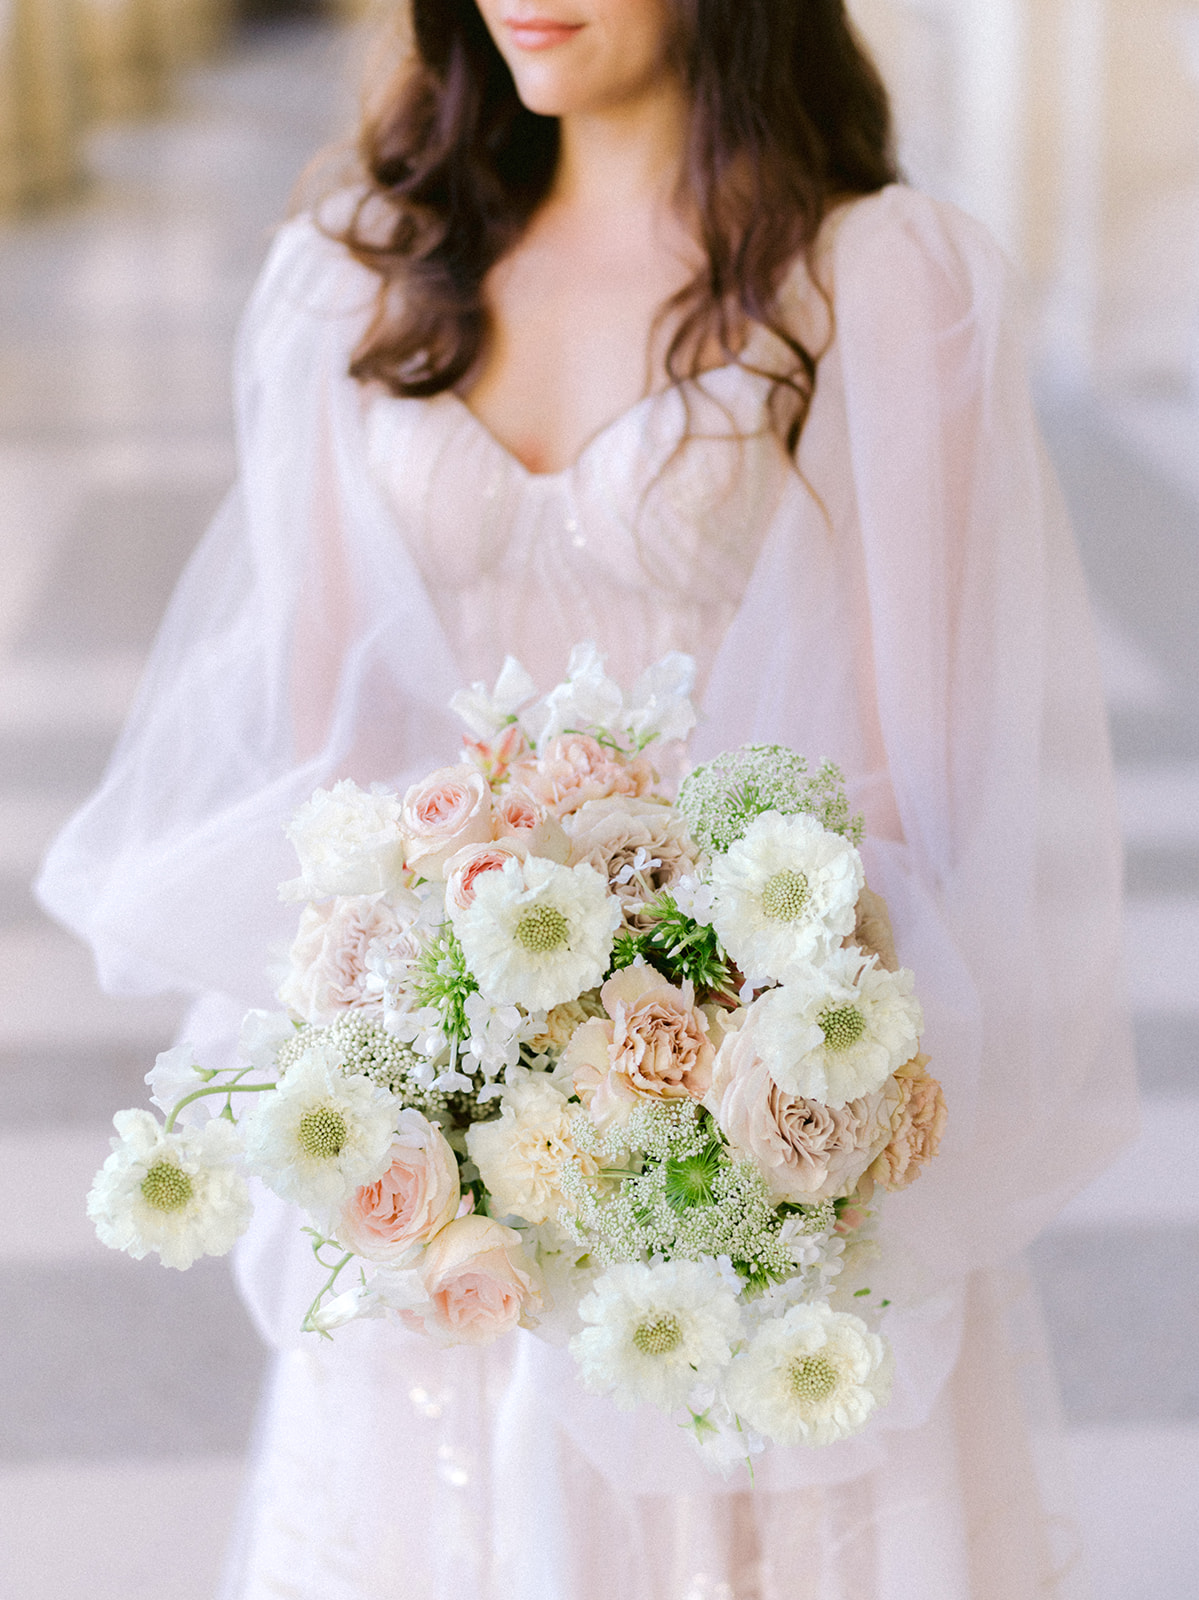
{"x": 992, "y": 722}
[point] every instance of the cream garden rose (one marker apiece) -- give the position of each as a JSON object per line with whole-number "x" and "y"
{"x": 656, "y": 1042}
{"x": 575, "y": 768}
{"x": 806, "y": 1151}
{"x": 415, "y": 1198}
{"x": 445, "y": 811}
{"x": 642, "y": 842}
{"x": 479, "y": 1281}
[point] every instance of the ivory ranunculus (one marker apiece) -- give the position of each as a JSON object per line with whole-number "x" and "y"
{"x": 414, "y": 1199}
{"x": 479, "y": 1281}
{"x": 329, "y": 973}
{"x": 917, "y": 1124}
{"x": 806, "y": 1151}
{"x": 445, "y": 811}
{"x": 656, "y": 1044}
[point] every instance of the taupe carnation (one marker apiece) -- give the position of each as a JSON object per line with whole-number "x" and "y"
{"x": 917, "y": 1124}
{"x": 329, "y": 974}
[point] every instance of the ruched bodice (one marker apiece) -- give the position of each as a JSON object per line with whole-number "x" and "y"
{"x": 645, "y": 544}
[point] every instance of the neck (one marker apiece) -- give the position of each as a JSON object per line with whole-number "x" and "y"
{"x": 623, "y": 159}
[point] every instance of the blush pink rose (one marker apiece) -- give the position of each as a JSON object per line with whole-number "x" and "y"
{"x": 329, "y": 974}
{"x": 575, "y": 768}
{"x": 656, "y": 1044}
{"x": 917, "y": 1123}
{"x": 805, "y": 1150}
{"x": 447, "y": 810}
{"x": 479, "y": 1282}
{"x": 517, "y": 815}
{"x": 466, "y": 866}
{"x": 414, "y": 1199}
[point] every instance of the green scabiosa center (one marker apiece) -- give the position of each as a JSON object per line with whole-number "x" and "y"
{"x": 322, "y": 1132}
{"x": 659, "y": 1334}
{"x": 811, "y": 1379}
{"x": 542, "y": 929}
{"x": 785, "y": 896}
{"x": 166, "y": 1187}
{"x": 842, "y": 1026}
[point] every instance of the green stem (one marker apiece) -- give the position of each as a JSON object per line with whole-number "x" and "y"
{"x": 216, "y": 1088}
{"x": 307, "y": 1326}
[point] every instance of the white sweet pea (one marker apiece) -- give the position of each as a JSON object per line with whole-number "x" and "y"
{"x": 485, "y": 714}
{"x": 587, "y": 700}
{"x": 174, "y": 1075}
{"x": 262, "y": 1034}
{"x": 659, "y": 706}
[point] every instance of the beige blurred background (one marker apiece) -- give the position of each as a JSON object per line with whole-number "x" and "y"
{"x": 146, "y": 149}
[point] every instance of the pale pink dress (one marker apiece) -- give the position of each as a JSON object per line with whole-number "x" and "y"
{"x": 908, "y": 604}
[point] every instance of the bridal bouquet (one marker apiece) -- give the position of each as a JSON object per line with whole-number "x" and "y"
{"x": 560, "y": 1052}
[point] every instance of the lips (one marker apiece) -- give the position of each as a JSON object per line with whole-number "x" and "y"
{"x": 540, "y": 33}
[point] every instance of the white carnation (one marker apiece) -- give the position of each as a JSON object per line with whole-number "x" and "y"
{"x": 177, "y": 1193}
{"x": 785, "y": 894}
{"x": 810, "y": 1377}
{"x": 536, "y": 933}
{"x": 656, "y": 1331}
{"x": 349, "y": 842}
{"x": 837, "y": 1032}
{"x": 321, "y": 1134}
{"x": 521, "y": 1154}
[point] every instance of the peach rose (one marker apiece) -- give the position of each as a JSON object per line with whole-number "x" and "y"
{"x": 329, "y": 974}
{"x": 479, "y": 1281}
{"x": 575, "y": 768}
{"x": 517, "y": 815}
{"x": 806, "y": 1150}
{"x": 608, "y": 834}
{"x": 447, "y": 810}
{"x": 656, "y": 1044}
{"x": 465, "y": 867}
{"x": 415, "y": 1197}
{"x": 917, "y": 1124}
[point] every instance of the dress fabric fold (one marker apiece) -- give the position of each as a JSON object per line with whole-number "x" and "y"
{"x": 907, "y": 603}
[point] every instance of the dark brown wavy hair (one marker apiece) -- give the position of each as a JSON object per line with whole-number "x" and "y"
{"x": 789, "y": 116}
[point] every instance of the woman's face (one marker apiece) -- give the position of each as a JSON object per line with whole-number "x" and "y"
{"x": 578, "y": 56}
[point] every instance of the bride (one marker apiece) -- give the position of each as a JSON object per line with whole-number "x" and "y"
{"x": 628, "y": 332}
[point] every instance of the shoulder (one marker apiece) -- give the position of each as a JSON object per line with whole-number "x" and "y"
{"x": 902, "y": 253}
{"x": 310, "y": 289}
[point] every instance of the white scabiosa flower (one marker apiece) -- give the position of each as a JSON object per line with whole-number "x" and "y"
{"x": 656, "y": 1331}
{"x": 838, "y": 1031}
{"x": 811, "y": 1377}
{"x": 784, "y": 894}
{"x": 536, "y": 933}
{"x": 322, "y": 1133}
{"x": 179, "y": 1194}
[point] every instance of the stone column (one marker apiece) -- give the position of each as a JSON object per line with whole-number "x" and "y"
{"x": 39, "y": 101}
